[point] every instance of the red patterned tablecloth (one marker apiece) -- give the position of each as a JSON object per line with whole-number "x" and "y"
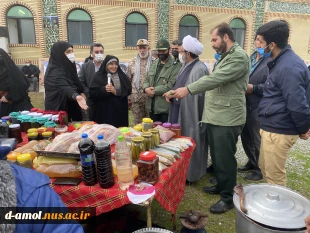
{"x": 169, "y": 190}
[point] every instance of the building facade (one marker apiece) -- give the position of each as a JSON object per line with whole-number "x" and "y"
{"x": 34, "y": 25}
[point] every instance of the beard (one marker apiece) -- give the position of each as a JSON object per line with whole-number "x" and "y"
{"x": 144, "y": 55}
{"x": 222, "y": 49}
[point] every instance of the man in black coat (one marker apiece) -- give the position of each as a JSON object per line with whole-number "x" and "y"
{"x": 32, "y": 74}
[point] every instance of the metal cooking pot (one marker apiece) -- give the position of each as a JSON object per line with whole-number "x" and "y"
{"x": 152, "y": 230}
{"x": 271, "y": 208}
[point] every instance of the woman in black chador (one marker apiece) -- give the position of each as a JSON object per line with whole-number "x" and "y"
{"x": 63, "y": 89}
{"x": 110, "y": 100}
{"x": 13, "y": 87}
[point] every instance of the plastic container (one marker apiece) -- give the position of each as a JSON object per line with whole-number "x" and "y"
{"x": 148, "y": 167}
{"x": 14, "y": 116}
{"x": 102, "y": 153}
{"x": 167, "y": 125}
{"x": 59, "y": 129}
{"x": 4, "y": 129}
{"x": 146, "y": 124}
{"x": 89, "y": 174}
{"x": 123, "y": 161}
{"x": 15, "y": 132}
{"x": 47, "y": 135}
{"x": 24, "y": 160}
{"x": 137, "y": 146}
{"x": 156, "y": 136}
{"x": 32, "y": 136}
{"x": 156, "y": 123}
{"x": 176, "y": 128}
{"x": 12, "y": 156}
{"x": 148, "y": 140}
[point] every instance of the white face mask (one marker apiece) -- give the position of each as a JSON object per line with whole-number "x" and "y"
{"x": 181, "y": 59}
{"x": 27, "y": 64}
{"x": 71, "y": 57}
{"x": 99, "y": 57}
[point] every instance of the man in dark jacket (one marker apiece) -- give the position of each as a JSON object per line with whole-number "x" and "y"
{"x": 284, "y": 111}
{"x": 250, "y": 137}
{"x": 32, "y": 73}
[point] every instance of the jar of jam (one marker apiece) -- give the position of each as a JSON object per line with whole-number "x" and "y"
{"x": 50, "y": 124}
{"x": 12, "y": 156}
{"x": 15, "y": 132}
{"x": 40, "y": 131}
{"x": 176, "y": 128}
{"x": 24, "y": 160}
{"x": 148, "y": 167}
{"x": 156, "y": 136}
{"x": 24, "y": 112}
{"x": 148, "y": 140}
{"x": 167, "y": 125}
{"x": 156, "y": 123}
{"x": 33, "y": 110}
{"x": 137, "y": 146}
{"x": 42, "y": 120}
{"x": 47, "y": 135}
{"x": 32, "y": 136}
{"x": 32, "y": 130}
{"x": 20, "y": 120}
{"x": 26, "y": 123}
{"x": 34, "y": 123}
{"x": 55, "y": 119}
{"x": 51, "y": 130}
{"x": 7, "y": 118}
{"x": 14, "y": 116}
{"x": 146, "y": 124}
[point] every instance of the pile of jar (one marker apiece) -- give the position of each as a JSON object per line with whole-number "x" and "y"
{"x": 24, "y": 160}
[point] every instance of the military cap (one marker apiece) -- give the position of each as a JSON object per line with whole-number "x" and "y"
{"x": 162, "y": 44}
{"x": 142, "y": 42}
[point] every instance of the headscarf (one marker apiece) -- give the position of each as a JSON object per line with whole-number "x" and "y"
{"x": 59, "y": 59}
{"x": 17, "y": 82}
{"x": 104, "y": 66}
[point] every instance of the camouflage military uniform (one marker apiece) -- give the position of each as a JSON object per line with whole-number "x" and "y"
{"x": 138, "y": 97}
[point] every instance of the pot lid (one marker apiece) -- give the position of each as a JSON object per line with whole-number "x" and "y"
{"x": 274, "y": 206}
{"x": 152, "y": 230}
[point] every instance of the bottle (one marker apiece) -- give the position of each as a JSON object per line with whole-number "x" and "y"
{"x": 102, "y": 152}
{"x": 89, "y": 174}
{"x": 4, "y": 129}
{"x": 123, "y": 163}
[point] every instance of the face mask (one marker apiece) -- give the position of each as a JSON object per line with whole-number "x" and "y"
{"x": 217, "y": 56}
{"x": 175, "y": 53}
{"x": 261, "y": 51}
{"x": 99, "y": 57}
{"x": 71, "y": 57}
{"x": 163, "y": 57}
{"x": 27, "y": 64}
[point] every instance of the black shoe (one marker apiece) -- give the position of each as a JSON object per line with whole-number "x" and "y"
{"x": 211, "y": 190}
{"x": 189, "y": 183}
{"x": 210, "y": 169}
{"x": 221, "y": 207}
{"x": 255, "y": 176}
{"x": 246, "y": 168}
{"x": 212, "y": 180}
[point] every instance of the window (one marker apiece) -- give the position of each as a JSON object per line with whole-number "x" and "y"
{"x": 20, "y": 25}
{"x": 80, "y": 29}
{"x": 189, "y": 25}
{"x": 135, "y": 29}
{"x": 238, "y": 27}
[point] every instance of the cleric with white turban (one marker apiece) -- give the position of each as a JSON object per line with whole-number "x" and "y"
{"x": 191, "y": 44}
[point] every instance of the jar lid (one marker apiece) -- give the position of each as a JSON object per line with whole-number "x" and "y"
{"x": 50, "y": 129}
{"x": 137, "y": 127}
{"x": 26, "y": 118}
{"x": 20, "y": 117}
{"x": 47, "y": 133}
{"x": 175, "y": 126}
{"x": 158, "y": 123}
{"x": 32, "y": 130}
{"x": 6, "y": 118}
{"x": 33, "y": 110}
{"x": 146, "y": 134}
{"x": 12, "y": 155}
{"x": 124, "y": 130}
{"x": 42, "y": 118}
{"x": 147, "y": 120}
{"x": 274, "y": 206}
{"x": 14, "y": 114}
{"x": 167, "y": 124}
{"x": 50, "y": 124}
{"x": 147, "y": 155}
{"x": 32, "y": 114}
{"x": 39, "y": 114}
{"x": 32, "y": 134}
{"x": 42, "y": 129}
{"x": 55, "y": 117}
{"x": 40, "y": 111}
{"x": 23, "y": 157}
{"x": 34, "y": 119}
{"x": 13, "y": 126}
{"x": 154, "y": 130}
{"x": 137, "y": 139}
{"x": 24, "y": 112}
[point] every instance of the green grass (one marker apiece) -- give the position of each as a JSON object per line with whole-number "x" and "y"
{"x": 298, "y": 174}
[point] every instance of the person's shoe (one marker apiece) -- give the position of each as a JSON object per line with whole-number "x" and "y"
{"x": 246, "y": 168}
{"x": 212, "y": 180}
{"x": 255, "y": 176}
{"x": 210, "y": 169}
{"x": 188, "y": 183}
{"x": 211, "y": 190}
{"x": 221, "y": 207}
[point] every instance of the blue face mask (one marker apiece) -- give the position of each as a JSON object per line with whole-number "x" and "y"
{"x": 217, "y": 56}
{"x": 261, "y": 51}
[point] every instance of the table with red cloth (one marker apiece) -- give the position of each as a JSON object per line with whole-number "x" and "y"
{"x": 169, "y": 190}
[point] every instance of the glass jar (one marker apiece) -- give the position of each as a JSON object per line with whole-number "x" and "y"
{"x": 42, "y": 120}
{"x": 50, "y": 124}
{"x": 137, "y": 146}
{"x": 32, "y": 136}
{"x": 32, "y": 130}
{"x": 40, "y": 131}
{"x": 146, "y": 124}
{"x": 156, "y": 136}
{"x": 24, "y": 112}
{"x": 63, "y": 117}
{"x": 48, "y": 116}
{"x": 148, "y": 167}
{"x": 59, "y": 129}
{"x": 33, "y": 110}
{"x": 7, "y": 118}
{"x": 15, "y": 132}
{"x": 148, "y": 140}
{"x": 24, "y": 160}
{"x": 176, "y": 128}
{"x": 47, "y": 135}
{"x": 25, "y": 124}
{"x": 34, "y": 122}
{"x": 55, "y": 119}
{"x": 12, "y": 156}
{"x": 156, "y": 123}
{"x": 167, "y": 125}
{"x": 14, "y": 116}
{"x": 51, "y": 130}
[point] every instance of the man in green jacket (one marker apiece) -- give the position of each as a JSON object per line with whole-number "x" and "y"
{"x": 224, "y": 111}
{"x": 160, "y": 79}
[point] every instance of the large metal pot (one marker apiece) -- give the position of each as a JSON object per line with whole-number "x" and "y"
{"x": 271, "y": 208}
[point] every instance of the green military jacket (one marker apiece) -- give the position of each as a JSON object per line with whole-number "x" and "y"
{"x": 225, "y": 89}
{"x": 164, "y": 83}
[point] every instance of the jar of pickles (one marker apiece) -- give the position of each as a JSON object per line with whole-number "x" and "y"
{"x": 148, "y": 167}
{"x": 148, "y": 140}
{"x": 24, "y": 160}
{"x": 156, "y": 136}
{"x": 137, "y": 146}
{"x": 146, "y": 124}
{"x": 15, "y": 132}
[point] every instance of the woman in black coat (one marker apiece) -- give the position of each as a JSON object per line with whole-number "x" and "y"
{"x": 108, "y": 90}
{"x": 13, "y": 87}
{"x": 63, "y": 89}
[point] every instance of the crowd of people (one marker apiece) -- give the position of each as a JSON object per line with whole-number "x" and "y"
{"x": 264, "y": 98}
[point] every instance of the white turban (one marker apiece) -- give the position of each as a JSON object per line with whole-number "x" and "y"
{"x": 191, "y": 44}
